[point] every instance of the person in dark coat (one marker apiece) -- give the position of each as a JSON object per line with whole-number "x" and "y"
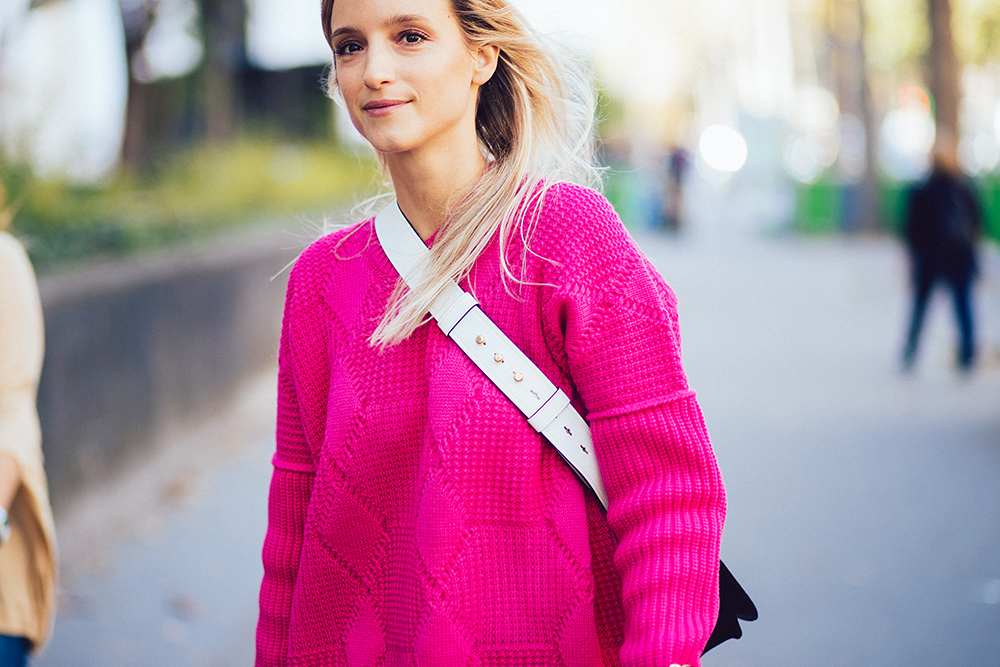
{"x": 943, "y": 223}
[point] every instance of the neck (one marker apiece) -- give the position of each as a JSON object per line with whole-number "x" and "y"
{"x": 428, "y": 184}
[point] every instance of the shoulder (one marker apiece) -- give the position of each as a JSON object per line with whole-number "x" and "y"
{"x": 11, "y": 249}
{"x": 578, "y": 225}
{"x": 330, "y": 270}
{"x": 327, "y": 252}
{"x": 588, "y": 254}
{"x": 578, "y": 211}
{"x": 579, "y": 229}
{"x": 333, "y": 255}
{"x": 968, "y": 189}
{"x": 20, "y": 306}
{"x": 15, "y": 267}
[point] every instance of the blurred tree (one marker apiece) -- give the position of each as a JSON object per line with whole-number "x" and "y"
{"x": 155, "y": 107}
{"x": 137, "y": 15}
{"x": 848, "y": 23}
{"x": 943, "y": 73}
{"x": 224, "y": 30}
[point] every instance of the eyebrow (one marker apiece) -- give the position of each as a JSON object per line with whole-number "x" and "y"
{"x": 395, "y": 20}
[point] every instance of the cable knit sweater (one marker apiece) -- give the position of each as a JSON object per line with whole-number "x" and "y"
{"x": 415, "y": 518}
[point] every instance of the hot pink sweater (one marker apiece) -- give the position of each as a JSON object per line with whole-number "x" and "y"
{"x": 415, "y": 518}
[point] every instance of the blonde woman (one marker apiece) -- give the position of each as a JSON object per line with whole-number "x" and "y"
{"x": 27, "y": 535}
{"x": 415, "y": 517}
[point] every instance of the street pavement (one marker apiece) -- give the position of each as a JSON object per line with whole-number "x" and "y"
{"x": 864, "y": 503}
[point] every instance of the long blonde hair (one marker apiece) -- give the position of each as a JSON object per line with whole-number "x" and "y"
{"x": 535, "y": 123}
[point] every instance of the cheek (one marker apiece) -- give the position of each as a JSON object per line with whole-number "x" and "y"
{"x": 345, "y": 82}
{"x": 348, "y": 90}
{"x": 348, "y": 86}
{"x": 448, "y": 84}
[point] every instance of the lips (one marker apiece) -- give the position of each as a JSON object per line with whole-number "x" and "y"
{"x": 382, "y": 107}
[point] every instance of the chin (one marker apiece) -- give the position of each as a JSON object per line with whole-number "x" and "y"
{"x": 389, "y": 145}
{"x": 395, "y": 137}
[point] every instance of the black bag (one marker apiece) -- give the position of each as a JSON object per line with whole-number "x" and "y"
{"x": 734, "y": 605}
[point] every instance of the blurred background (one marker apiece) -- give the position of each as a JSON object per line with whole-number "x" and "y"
{"x": 165, "y": 160}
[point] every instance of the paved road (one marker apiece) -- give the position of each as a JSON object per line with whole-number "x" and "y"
{"x": 864, "y": 505}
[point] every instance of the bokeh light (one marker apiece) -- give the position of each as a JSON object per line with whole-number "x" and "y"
{"x": 907, "y": 135}
{"x": 722, "y": 148}
{"x": 173, "y": 45}
{"x": 813, "y": 146}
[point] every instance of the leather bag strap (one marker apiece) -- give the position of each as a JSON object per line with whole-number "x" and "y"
{"x": 457, "y": 312}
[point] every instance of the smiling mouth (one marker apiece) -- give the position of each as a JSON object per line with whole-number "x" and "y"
{"x": 382, "y": 107}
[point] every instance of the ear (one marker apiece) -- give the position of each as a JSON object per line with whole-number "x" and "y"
{"x": 486, "y": 64}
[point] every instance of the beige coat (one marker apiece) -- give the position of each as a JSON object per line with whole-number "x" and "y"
{"x": 28, "y": 559}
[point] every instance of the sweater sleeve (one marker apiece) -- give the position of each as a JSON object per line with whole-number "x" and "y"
{"x": 291, "y": 487}
{"x": 21, "y": 345}
{"x": 28, "y": 562}
{"x": 617, "y": 324}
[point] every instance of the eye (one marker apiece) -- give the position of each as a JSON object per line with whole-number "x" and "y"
{"x": 412, "y": 37}
{"x": 346, "y": 48}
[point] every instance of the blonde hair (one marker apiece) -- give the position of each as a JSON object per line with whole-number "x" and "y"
{"x": 535, "y": 123}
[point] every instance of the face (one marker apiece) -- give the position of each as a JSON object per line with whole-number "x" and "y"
{"x": 406, "y": 73}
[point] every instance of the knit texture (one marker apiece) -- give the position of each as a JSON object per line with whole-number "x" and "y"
{"x": 415, "y": 517}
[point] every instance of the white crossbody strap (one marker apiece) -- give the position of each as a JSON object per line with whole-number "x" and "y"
{"x": 458, "y": 314}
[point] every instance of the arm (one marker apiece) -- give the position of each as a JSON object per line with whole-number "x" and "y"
{"x": 667, "y": 502}
{"x": 667, "y": 509}
{"x": 10, "y": 480}
{"x": 912, "y": 227}
{"x": 21, "y": 350}
{"x": 291, "y": 488}
{"x": 286, "y": 513}
{"x": 975, "y": 209}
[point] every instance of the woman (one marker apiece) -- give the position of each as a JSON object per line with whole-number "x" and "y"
{"x": 415, "y": 517}
{"x": 27, "y": 535}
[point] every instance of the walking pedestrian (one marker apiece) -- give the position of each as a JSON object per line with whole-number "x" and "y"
{"x": 678, "y": 162}
{"x": 415, "y": 516}
{"x": 943, "y": 222}
{"x": 27, "y": 534}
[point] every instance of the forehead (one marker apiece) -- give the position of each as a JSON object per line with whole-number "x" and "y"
{"x": 359, "y": 13}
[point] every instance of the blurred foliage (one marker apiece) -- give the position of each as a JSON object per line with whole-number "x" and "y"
{"x": 194, "y": 193}
{"x": 976, "y": 25}
{"x": 896, "y": 195}
{"x": 818, "y": 207}
{"x": 898, "y": 34}
{"x": 615, "y": 152}
{"x": 989, "y": 196}
{"x": 823, "y": 207}
{"x": 610, "y": 111}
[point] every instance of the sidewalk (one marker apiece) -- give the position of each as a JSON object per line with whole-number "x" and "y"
{"x": 864, "y": 508}
{"x": 163, "y": 568}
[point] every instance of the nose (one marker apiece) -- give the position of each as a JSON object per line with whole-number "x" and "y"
{"x": 379, "y": 69}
